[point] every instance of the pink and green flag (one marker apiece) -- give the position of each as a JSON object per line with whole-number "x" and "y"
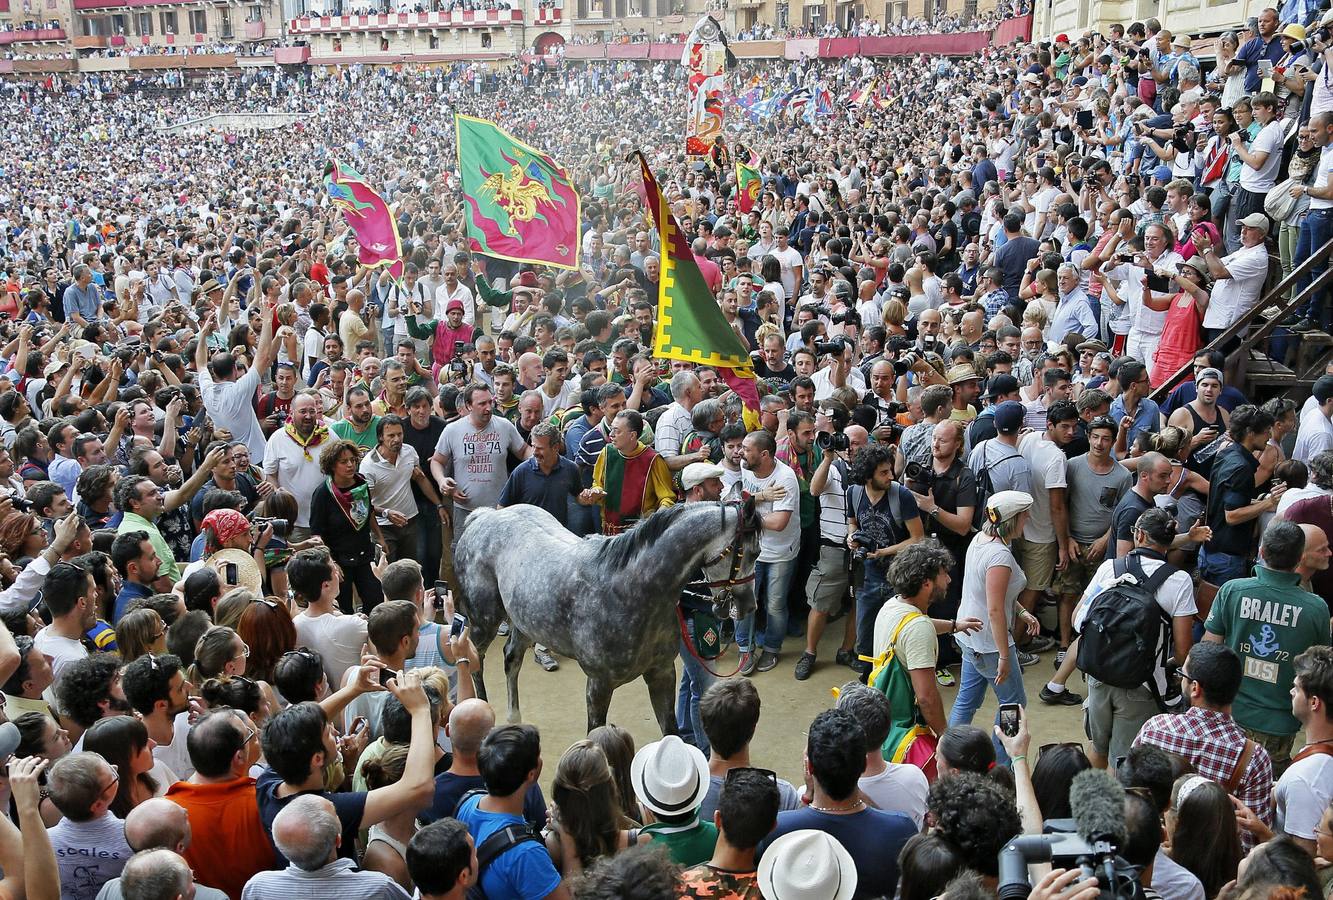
{"x": 368, "y": 215}
{"x": 522, "y": 206}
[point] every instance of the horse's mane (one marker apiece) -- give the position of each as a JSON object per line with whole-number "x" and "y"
{"x": 618, "y": 552}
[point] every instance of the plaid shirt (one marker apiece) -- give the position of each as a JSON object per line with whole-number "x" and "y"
{"x": 1213, "y": 743}
{"x": 994, "y": 301}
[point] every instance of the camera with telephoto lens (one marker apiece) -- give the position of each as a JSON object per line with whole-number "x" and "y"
{"x": 837, "y": 346}
{"x": 921, "y": 474}
{"x": 832, "y": 440}
{"x": 866, "y": 545}
{"x": 846, "y": 317}
{"x": 281, "y": 527}
{"x": 903, "y": 364}
{"x": 20, "y": 503}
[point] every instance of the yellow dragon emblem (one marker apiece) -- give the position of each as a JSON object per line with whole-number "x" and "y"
{"x": 517, "y": 194}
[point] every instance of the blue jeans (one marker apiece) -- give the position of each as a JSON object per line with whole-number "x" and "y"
{"x": 771, "y": 580}
{"x": 694, "y": 680}
{"x": 979, "y": 671}
{"x": 1219, "y": 568}
{"x": 870, "y": 598}
{"x": 1315, "y": 232}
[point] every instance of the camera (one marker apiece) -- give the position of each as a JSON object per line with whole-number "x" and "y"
{"x": 281, "y": 527}
{"x": 1063, "y": 850}
{"x": 920, "y": 474}
{"x": 832, "y": 440}
{"x": 837, "y": 345}
{"x": 867, "y": 545}
{"x": 847, "y": 316}
{"x": 21, "y": 503}
{"x": 458, "y": 348}
{"x": 903, "y": 364}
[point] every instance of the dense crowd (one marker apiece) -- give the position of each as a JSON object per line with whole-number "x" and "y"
{"x": 236, "y": 463}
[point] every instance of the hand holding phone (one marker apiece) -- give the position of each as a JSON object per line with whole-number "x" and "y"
{"x": 387, "y": 675}
{"x": 441, "y": 591}
{"x": 1009, "y": 713}
{"x": 456, "y": 626}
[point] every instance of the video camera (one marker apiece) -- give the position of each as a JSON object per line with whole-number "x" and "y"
{"x": 921, "y": 474}
{"x": 1090, "y": 841}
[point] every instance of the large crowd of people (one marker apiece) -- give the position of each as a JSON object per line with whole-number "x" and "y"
{"x": 234, "y": 464}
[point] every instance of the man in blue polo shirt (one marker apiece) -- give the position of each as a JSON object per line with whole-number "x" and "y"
{"x": 1265, "y": 45}
{"x": 545, "y": 479}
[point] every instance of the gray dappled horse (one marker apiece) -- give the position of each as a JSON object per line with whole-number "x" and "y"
{"x": 609, "y": 603}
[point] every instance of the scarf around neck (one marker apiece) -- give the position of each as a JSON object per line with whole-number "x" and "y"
{"x": 316, "y": 438}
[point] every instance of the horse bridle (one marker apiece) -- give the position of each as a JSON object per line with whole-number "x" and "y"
{"x": 737, "y": 553}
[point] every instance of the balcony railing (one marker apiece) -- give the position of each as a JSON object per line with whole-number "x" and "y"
{"x": 459, "y": 18}
{"x": 31, "y": 36}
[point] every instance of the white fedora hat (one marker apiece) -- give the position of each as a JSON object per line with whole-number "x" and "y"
{"x": 670, "y": 777}
{"x": 807, "y": 865}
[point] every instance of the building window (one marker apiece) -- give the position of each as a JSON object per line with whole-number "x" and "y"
{"x": 485, "y": 38}
{"x": 783, "y": 15}
{"x": 337, "y": 45}
{"x": 146, "y": 23}
{"x": 169, "y": 22}
{"x": 224, "y": 23}
{"x": 118, "y": 24}
{"x": 254, "y": 14}
{"x": 433, "y": 42}
{"x": 969, "y": 10}
{"x": 198, "y": 21}
{"x": 384, "y": 45}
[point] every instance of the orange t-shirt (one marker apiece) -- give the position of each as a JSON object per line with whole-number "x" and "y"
{"x": 229, "y": 843}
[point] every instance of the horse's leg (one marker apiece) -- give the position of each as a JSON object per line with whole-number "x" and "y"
{"x": 515, "y": 649}
{"x": 662, "y": 692}
{"x": 599, "y": 700}
{"x": 481, "y": 602}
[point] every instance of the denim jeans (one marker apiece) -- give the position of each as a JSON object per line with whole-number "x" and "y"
{"x": 1219, "y": 568}
{"x": 870, "y": 597}
{"x": 430, "y": 541}
{"x": 1315, "y": 232}
{"x": 979, "y": 671}
{"x": 771, "y": 580}
{"x": 694, "y": 680}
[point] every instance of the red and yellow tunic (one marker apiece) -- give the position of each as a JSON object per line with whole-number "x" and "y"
{"x": 634, "y": 485}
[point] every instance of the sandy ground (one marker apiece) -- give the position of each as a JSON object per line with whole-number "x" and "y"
{"x": 554, "y": 702}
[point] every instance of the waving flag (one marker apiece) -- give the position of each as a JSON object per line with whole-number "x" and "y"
{"x": 690, "y": 324}
{"x": 706, "y": 59}
{"x": 749, "y": 182}
{"x": 368, "y": 215}
{"x": 863, "y": 93}
{"x": 522, "y": 206}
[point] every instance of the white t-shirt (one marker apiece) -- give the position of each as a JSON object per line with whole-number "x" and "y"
{"x": 1268, "y": 140}
{"x": 231, "y": 404}
{"x": 899, "y": 788}
{"x": 823, "y": 380}
{"x": 790, "y": 259}
{"x": 174, "y": 755}
{"x": 1303, "y": 793}
{"x": 1048, "y": 464}
{"x": 314, "y": 349}
{"x": 1175, "y": 597}
{"x": 1173, "y": 881}
{"x": 337, "y": 638}
{"x": 61, "y": 651}
{"x": 463, "y": 294}
{"x": 1314, "y": 436}
{"x": 1321, "y": 177}
{"x": 296, "y": 473}
{"x": 777, "y": 546}
{"x": 1233, "y": 297}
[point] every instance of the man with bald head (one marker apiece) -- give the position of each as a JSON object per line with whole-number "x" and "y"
{"x": 530, "y": 371}
{"x": 157, "y": 873}
{"x": 220, "y": 802}
{"x": 1315, "y": 557}
{"x": 156, "y": 826}
{"x": 469, "y": 723}
{"x": 307, "y": 831}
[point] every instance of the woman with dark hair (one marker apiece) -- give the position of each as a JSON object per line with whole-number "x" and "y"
{"x": 617, "y": 746}
{"x": 1202, "y": 831}
{"x": 342, "y": 514}
{"x": 266, "y": 627}
{"x": 219, "y": 653}
{"x": 585, "y": 809}
{"x": 1280, "y": 863}
{"x": 123, "y": 741}
{"x": 926, "y": 864}
{"x": 771, "y": 271}
{"x": 202, "y": 590}
{"x": 965, "y": 748}
{"x": 1052, "y": 776}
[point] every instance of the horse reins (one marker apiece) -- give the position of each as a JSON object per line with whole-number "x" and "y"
{"x": 732, "y": 580}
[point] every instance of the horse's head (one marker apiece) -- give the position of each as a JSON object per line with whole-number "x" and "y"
{"x": 729, "y": 566}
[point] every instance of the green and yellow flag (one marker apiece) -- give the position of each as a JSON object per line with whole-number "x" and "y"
{"x": 749, "y": 182}
{"x": 690, "y": 324}
{"x": 522, "y": 205}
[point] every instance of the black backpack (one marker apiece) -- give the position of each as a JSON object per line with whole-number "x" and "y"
{"x": 986, "y": 487}
{"x": 495, "y": 846}
{"x": 1125, "y": 632}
